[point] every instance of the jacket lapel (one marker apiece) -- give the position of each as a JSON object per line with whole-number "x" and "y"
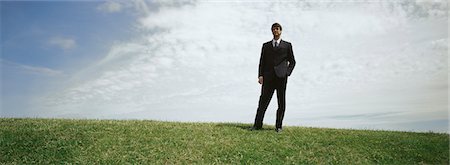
{"x": 282, "y": 44}
{"x": 271, "y": 45}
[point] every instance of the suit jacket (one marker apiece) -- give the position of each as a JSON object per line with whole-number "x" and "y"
{"x": 273, "y": 56}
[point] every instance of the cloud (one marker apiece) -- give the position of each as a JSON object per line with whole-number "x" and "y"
{"x": 139, "y": 7}
{"x": 64, "y": 43}
{"x": 110, "y": 7}
{"x": 36, "y": 70}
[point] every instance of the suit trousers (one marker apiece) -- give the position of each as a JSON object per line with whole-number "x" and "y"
{"x": 267, "y": 90}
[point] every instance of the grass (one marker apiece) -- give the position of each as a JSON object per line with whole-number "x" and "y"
{"x": 57, "y": 141}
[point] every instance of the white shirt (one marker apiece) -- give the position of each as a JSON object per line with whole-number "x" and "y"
{"x": 277, "y": 42}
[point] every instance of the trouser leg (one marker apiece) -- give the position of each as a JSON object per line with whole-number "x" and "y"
{"x": 264, "y": 100}
{"x": 281, "y": 97}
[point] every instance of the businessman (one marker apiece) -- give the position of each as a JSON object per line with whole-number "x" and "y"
{"x": 275, "y": 65}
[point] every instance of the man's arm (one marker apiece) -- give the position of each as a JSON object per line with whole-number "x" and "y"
{"x": 261, "y": 65}
{"x": 291, "y": 60}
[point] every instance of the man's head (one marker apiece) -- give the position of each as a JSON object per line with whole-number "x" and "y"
{"x": 276, "y": 30}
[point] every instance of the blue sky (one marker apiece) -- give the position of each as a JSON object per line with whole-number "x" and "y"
{"x": 372, "y": 65}
{"x": 33, "y": 25}
{"x": 44, "y": 42}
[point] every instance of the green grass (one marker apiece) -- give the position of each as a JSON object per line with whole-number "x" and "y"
{"x": 57, "y": 141}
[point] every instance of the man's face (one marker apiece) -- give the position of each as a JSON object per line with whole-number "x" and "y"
{"x": 276, "y": 31}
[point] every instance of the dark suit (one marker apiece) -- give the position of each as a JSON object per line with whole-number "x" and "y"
{"x": 270, "y": 58}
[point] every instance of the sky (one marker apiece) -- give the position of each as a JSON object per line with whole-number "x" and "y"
{"x": 360, "y": 64}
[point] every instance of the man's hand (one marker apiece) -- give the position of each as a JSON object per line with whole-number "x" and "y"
{"x": 260, "y": 80}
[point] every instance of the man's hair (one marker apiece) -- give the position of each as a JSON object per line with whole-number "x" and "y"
{"x": 276, "y": 25}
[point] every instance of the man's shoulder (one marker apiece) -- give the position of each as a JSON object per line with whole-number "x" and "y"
{"x": 287, "y": 42}
{"x": 268, "y": 42}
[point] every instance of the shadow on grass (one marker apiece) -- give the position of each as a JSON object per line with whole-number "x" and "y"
{"x": 246, "y": 127}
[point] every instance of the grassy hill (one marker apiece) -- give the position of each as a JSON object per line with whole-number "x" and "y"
{"x": 56, "y": 141}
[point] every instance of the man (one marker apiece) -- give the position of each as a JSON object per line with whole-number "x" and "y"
{"x": 275, "y": 65}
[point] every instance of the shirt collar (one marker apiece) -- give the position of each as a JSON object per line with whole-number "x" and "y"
{"x": 278, "y": 41}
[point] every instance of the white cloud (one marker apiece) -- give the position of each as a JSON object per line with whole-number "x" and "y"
{"x": 30, "y": 69}
{"x": 64, "y": 43}
{"x": 110, "y": 7}
{"x": 141, "y": 6}
{"x": 201, "y": 60}
{"x": 42, "y": 70}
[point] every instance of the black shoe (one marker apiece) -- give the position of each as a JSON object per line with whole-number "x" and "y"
{"x": 254, "y": 128}
{"x": 278, "y": 130}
